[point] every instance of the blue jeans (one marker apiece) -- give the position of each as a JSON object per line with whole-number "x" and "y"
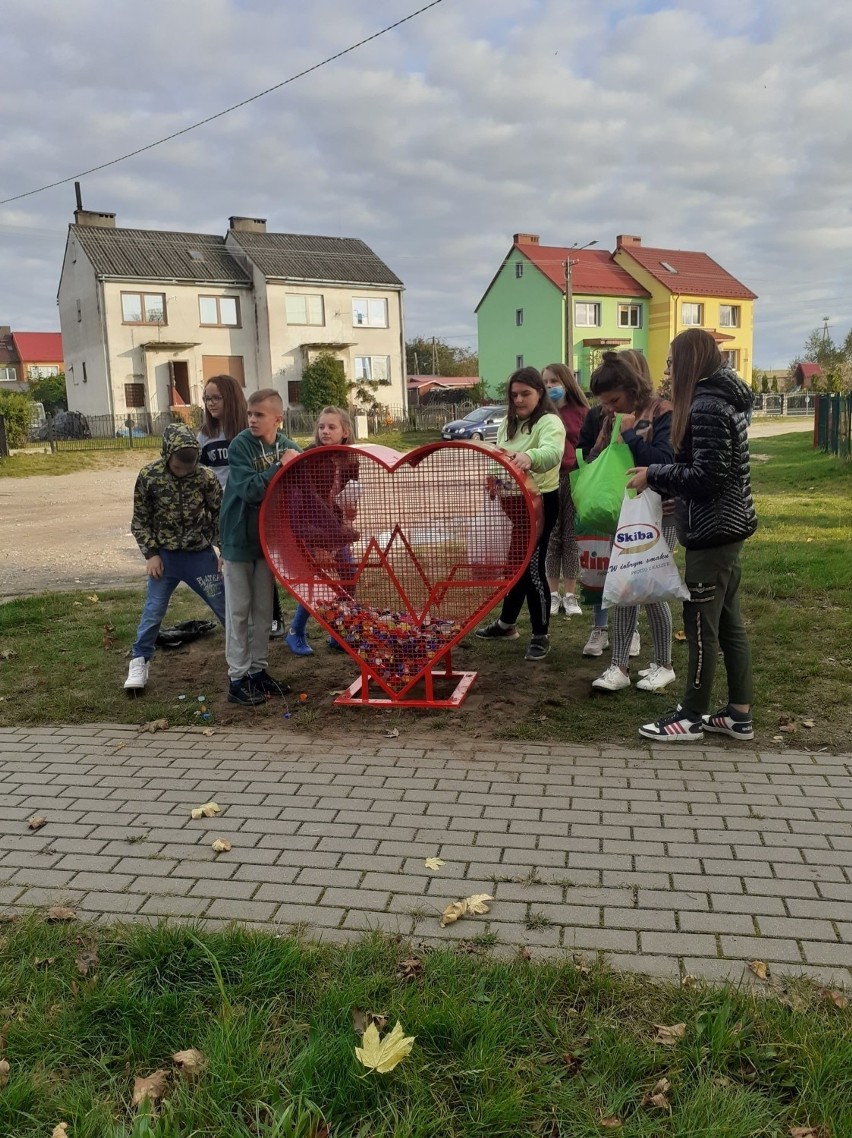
{"x": 345, "y": 563}
{"x": 199, "y": 571}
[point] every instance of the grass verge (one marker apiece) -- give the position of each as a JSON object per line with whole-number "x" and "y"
{"x": 503, "y": 1049}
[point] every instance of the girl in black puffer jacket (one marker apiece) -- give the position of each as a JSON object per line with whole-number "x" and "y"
{"x": 714, "y": 515}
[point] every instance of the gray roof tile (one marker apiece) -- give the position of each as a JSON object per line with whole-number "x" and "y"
{"x": 296, "y": 256}
{"x": 148, "y": 254}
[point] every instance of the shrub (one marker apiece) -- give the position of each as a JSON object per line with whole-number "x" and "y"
{"x": 16, "y": 409}
{"x": 50, "y": 392}
{"x": 324, "y": 384}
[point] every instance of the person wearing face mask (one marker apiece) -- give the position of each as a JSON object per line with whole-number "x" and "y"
{"x": 562, "y": 556}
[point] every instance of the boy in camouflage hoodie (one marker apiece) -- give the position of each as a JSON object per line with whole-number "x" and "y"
{"x": 175, "y": 522}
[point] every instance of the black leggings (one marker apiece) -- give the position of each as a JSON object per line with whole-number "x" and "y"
{"x": 533, "y": 586}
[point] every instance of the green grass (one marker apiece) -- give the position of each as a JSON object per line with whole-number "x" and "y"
{"x": 504, "y": 1049}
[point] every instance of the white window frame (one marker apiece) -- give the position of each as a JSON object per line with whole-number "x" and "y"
{"x": 42, "y": 371}
{"x": 219, "y": 322}
{"x": 731, "y": 357}
{"x": 312, "y": 305}
{"x": 519, "y": 269}
{"x": 144, "y": 297}
{"x": 519, "y": 362}
{"x": 625, "y": 312}
{"x": 590, "y": 308}
{"x": 519, "y": 317}
{"x": 366, "y": 367}
{"x": 375, "y": 312}
{"x": 729, "y": 315}
{"x": 698, "y": 313}
{"x": 8, "y": 374}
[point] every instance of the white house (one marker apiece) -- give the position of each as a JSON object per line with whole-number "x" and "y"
{"x": 147, "y": 316}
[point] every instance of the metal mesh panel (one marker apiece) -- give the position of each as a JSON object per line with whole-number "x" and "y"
{"x": 398, "y": 563}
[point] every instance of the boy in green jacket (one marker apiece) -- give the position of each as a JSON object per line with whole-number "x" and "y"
{"x": 254, "y": 457}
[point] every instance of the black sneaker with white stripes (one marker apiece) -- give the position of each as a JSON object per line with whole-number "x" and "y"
{"x": 722, "y": 722}
{"x": 676, "y": 727}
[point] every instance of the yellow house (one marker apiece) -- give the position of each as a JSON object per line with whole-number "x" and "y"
{"x": 690, "y": 290}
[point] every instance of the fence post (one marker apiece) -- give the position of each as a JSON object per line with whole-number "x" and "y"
{"x": 51, "y": 433}
{"x": 128, "y": 422}
{"x": 4, "y": 442}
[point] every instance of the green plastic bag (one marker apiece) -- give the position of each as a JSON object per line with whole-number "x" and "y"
{"x": 597, "y": 488}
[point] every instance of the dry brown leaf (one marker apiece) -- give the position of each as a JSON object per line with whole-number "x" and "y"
{"x": 44, "y": 961}
{"x": 473, "y": 906}
{"x": 150, "y": 1087}
{"x": 808, "y": 1132}
{"x": 191, "y": 1062}
{"x": 611, "y": 1122}
{"x": 60, "y": 1130}
{"x": 788, "y": 728}
{"x": 208, "y": 810}
{"x": 524, "y": 953}
{"x": 760, "y": 968}
{"x": 572, "y": 1062}
{"x": 689, "y": 981}
{"x": 361, "y": 1020}
{"x": 669, "y": 1034}
{"x": 657, "y": 1097}
{"x": 58, "y": 913}
{"x": 36, "y": 823}
{"x": 4, "y": 1072}
{"x": 838, "y": 998}
{"x": 208, "y": 731}
{"x": 155, "y": 725}
{"x": 87, "y": 961}
{"x": 222, "y": 845}
{"x": 410, "y": 968}
{"x": 392, "y": 733}
{"x": 809, "y": 723}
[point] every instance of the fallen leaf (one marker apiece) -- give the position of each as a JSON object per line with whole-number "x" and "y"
{"x": 36, "y": 823}
{"x": 382, "y": 1055}
{"x": 4, "y": 1072}
{"x": 786, "y": 717}
{"x": 222, "y": 845}
{"x": 94, "y": 598}
{"x": 208, "y": 731}
{"x": 807, "y": 1132}
{"x": 680, "y": 634}
{"x": 119, "y": 747}
{"x": 524, "y": 953}
{"x": 392, "y": 733}
{"x": 155, "y": 725}
{"x": 611, "y": 1122}
{"x": 838, "y": 998}
{"x": 361, "y": 1020}
{"x": 58, "y": 913}
{"x": 788, "y": 728}
{"x": 689, "y": 981}
{"x": 44, "y": 961}
{"x": 208, "y": 810}
{"x": 475, "y": 906}
{"x": 668, "y": 1035}
{"x": 87, "y": 961}
{"x": 410, "y": 968}
{"x": 581, "y": 964}
{"x": 657, "y": 1097}
{"x": 572, "y": 1062}
{"x": 150, "y": 1087}
{"x": 8, "y": 654}
{"x": 777, "y": 738}
{"x": 809, "y": 723}
{"x": 60, "y": 1131}
{"x": 760, "y": 968}
{"x": 433, "y": 863}
{"x": 191, "y": 1062}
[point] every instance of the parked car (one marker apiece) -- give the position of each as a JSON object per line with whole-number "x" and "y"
{"x": 482, "y": 423}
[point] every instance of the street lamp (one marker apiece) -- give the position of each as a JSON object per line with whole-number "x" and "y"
{"x": 569, "y": 306}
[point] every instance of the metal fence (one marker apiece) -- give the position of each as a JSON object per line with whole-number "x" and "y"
{"x": 833, "y": 424}
{"x": 798, "y": 403}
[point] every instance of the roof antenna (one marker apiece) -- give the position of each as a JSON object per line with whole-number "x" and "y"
{"x": 78, "y": 195}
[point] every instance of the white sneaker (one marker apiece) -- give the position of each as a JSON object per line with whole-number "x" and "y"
{"x": 555, "y": 603}
{"x": 655, "y": 678}
{"x": 597, "y": 643}
{"x": 571, "y": 606}
{"x": 613, "y": 679}
{"x": 635, "y": 644}
{"x": 137, "y": 674}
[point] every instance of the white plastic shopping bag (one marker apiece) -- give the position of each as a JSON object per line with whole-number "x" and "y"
{"x": 641, "y": 568}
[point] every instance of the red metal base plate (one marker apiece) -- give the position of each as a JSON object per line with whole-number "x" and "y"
{"x": 358, "y": 693}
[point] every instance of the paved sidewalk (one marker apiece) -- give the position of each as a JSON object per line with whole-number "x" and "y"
{"x": 674, "y": 860}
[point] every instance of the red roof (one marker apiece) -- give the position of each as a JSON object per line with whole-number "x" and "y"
{"x": 593, "y": 271}
{"x": 695, "y": 274}
{"x": 418, "y": 381}
{"x": 38, "y": 347}
{"x": 809, "y": 369}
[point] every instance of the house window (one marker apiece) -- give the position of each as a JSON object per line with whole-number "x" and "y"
{"x": 587, "y": 314}
{"x": 143, "y": 308}
{"x": 691, "y": 313}
{"x": 630, "y": 315}
{"x": 8, "y": 374}
{"x": 729, "y": 316}
{"x": 219, "y": 311}
{"x": 134, "y": 395}
{"x": 519, "y": 269}
{"x": 731, "y": 358}
{"x": 304, "y": 309}
{"x": 369, "y": 313}
{"x": 373, "y": 367}
{"x": 41, "y": 371}
{"x": 519, "y": 316}
{"x": 294, "y": 391}
{"x": 519, "y": 362}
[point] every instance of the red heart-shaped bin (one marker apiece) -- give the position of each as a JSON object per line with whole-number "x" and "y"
{"x": 399, "y": 555}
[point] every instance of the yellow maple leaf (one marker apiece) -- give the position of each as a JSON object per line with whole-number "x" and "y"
{"x": 382, "y": 1055}
{"x": 760, "y": 968}
{"x": 433, "y": 863}
{"x": 474, "y": 906}
{"x": 222, "y": 845}
{"x": 206, "y": 811}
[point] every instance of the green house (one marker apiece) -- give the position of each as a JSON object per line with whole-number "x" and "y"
{"x": 521, "y": 317}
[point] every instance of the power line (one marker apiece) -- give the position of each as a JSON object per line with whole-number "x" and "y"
{"x": 227, "y": 110}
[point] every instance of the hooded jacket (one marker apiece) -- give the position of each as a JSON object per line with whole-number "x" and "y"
{"x": 175, "y": 513}
{"x": 710, "y": 477}
{"x": 252, "y": 464}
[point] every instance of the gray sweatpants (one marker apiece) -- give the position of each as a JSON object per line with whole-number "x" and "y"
{"x": 248, "y": 616}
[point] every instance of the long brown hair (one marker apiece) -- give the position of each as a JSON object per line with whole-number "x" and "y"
{"x": 345, "y": 422}
{"x": 531, "y": 377}
{"x": 573, "y": 392}
{"x": 694, "y": 356}
{"x": 624, "y": 371}
{"x": 233, "y": 416}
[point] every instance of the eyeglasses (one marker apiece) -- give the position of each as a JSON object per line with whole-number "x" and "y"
{"x": 212, "y": 399}
{"x": 669, "y": 362}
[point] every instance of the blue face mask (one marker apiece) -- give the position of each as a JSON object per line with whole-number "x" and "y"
{"x": 556, "y": 393}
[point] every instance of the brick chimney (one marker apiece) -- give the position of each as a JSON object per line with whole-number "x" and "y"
{"x": 93, "y": 219}
{"x": 247, "y": 224}
{"x": 526, "y": 238}
{"x": 625, "y": 240}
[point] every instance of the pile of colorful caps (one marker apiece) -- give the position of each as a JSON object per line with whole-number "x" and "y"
{"x": 394, "y": 646}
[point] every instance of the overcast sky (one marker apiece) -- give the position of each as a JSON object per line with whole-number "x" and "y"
{"x": 719, "y": 125}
